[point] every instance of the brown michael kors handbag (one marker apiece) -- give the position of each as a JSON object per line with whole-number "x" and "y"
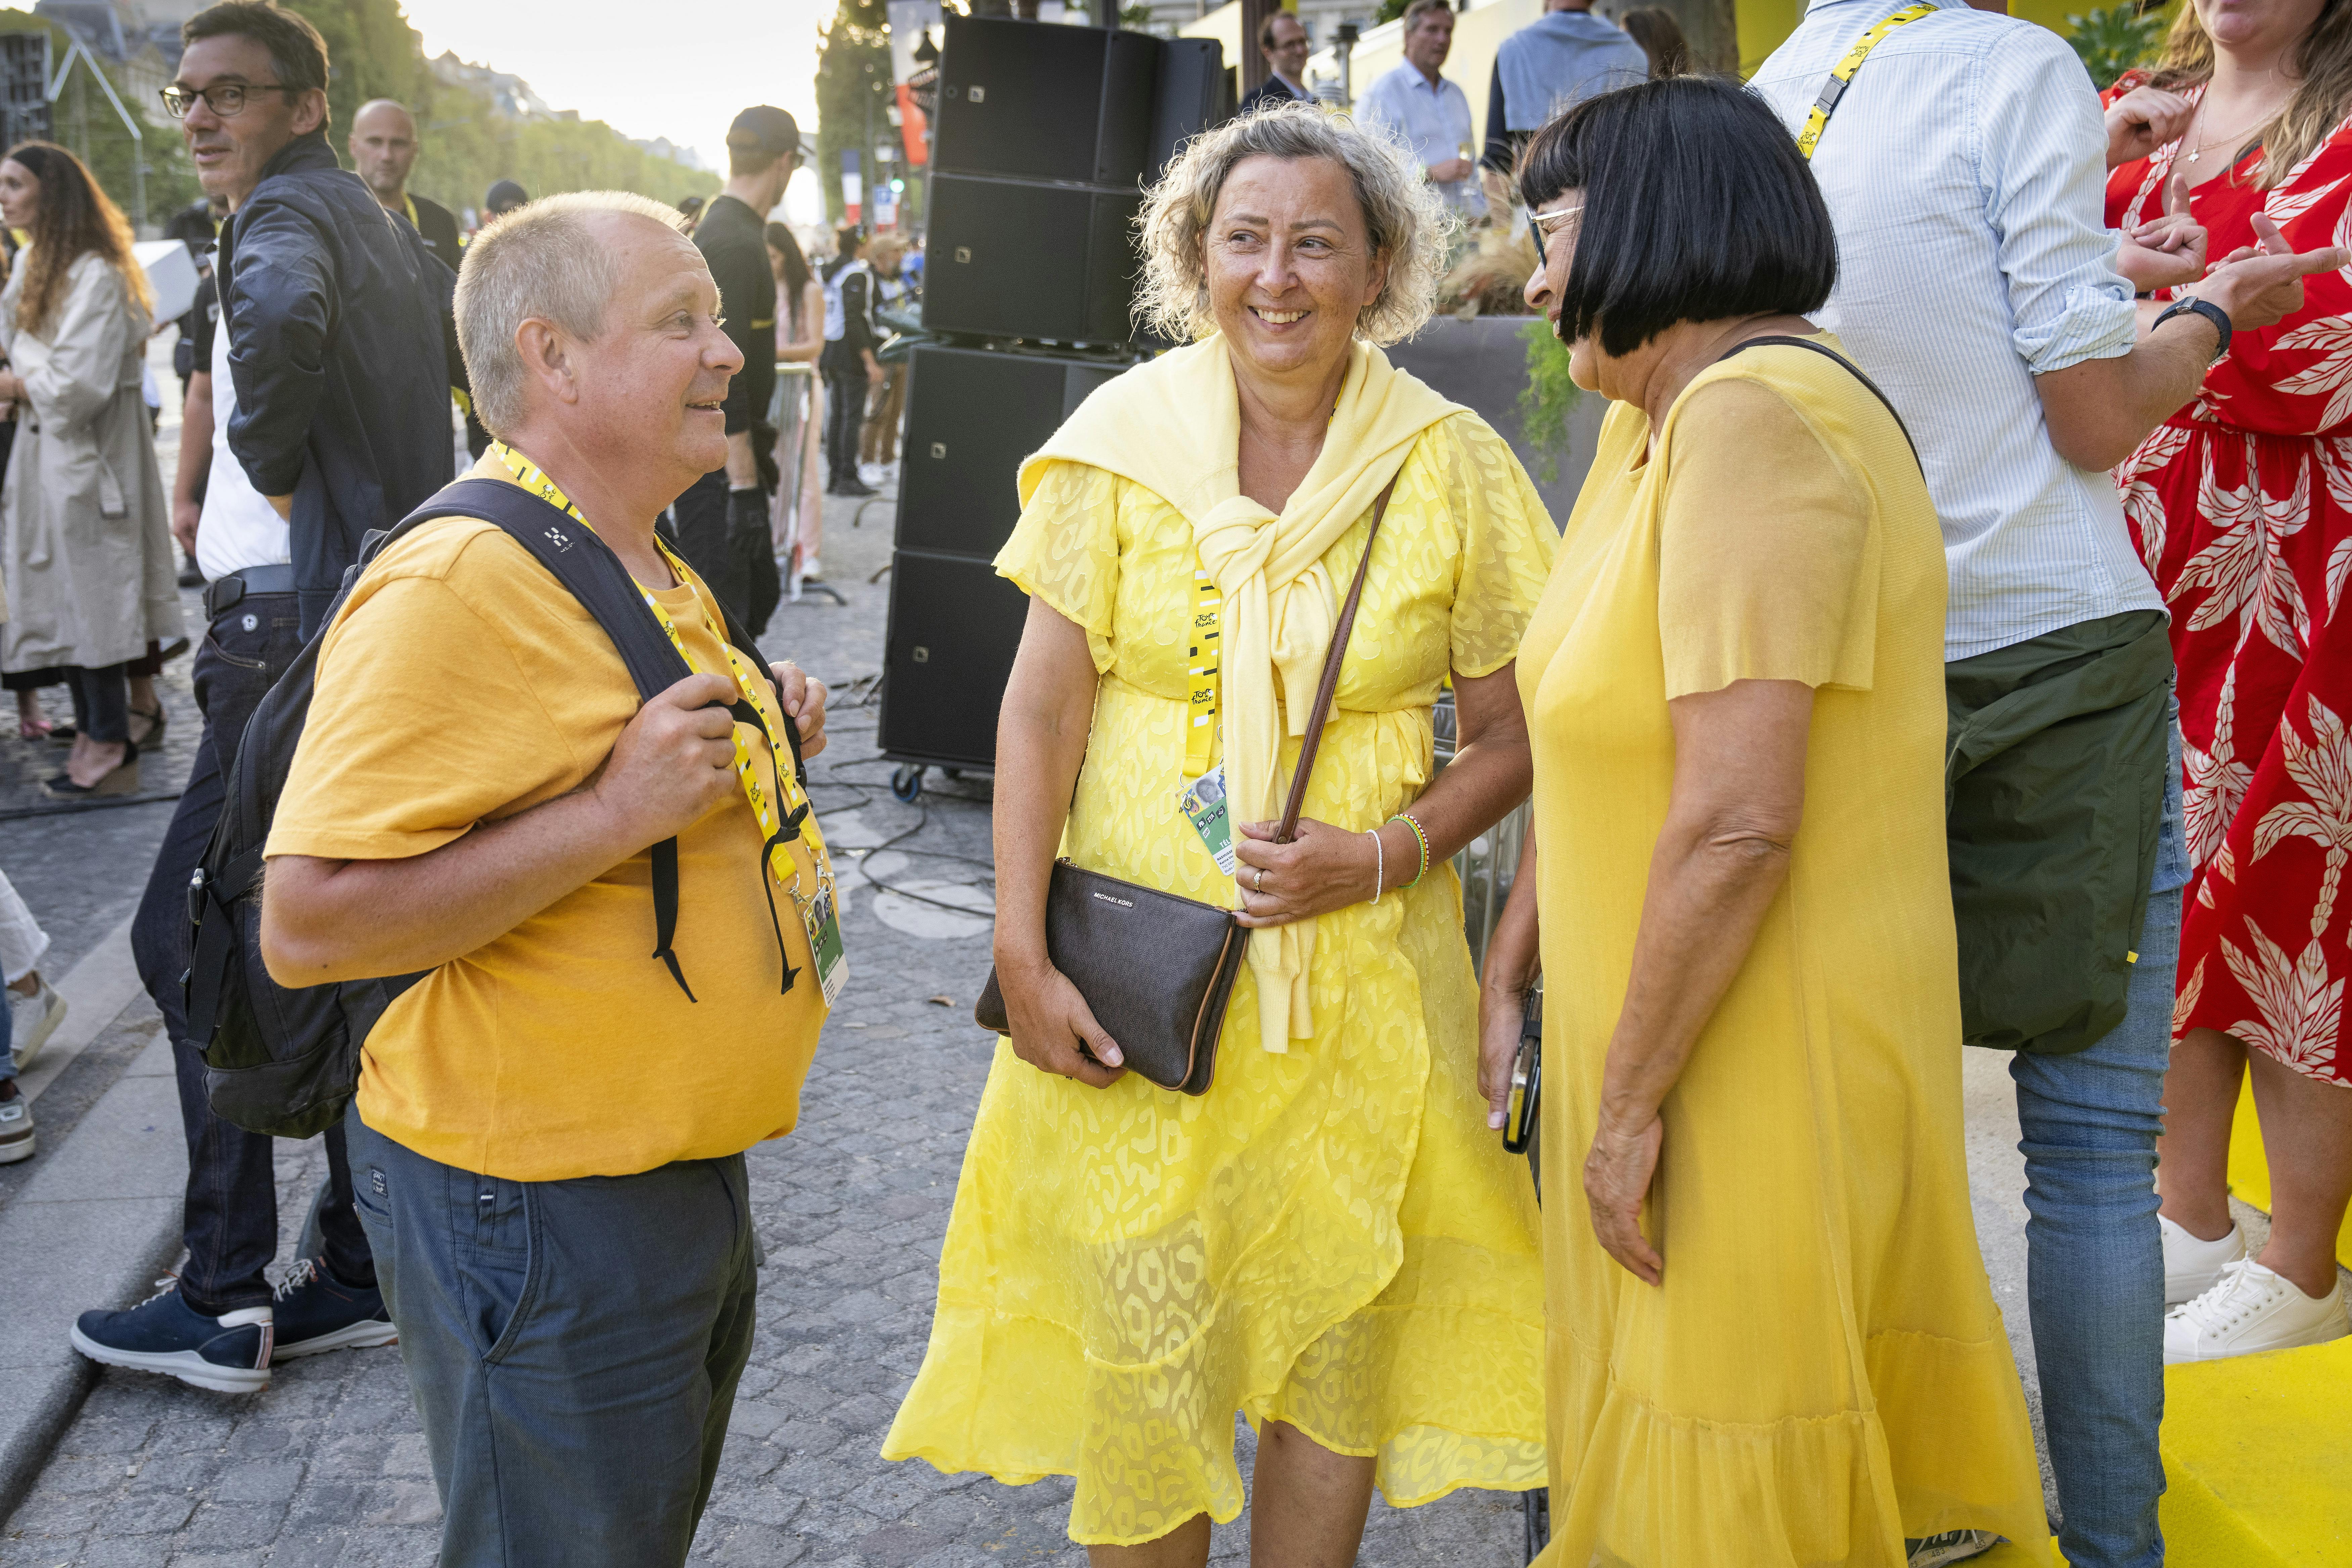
{"x": 1156, "y": 969}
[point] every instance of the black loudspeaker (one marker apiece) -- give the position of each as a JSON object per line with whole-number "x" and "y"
{"x": 1012, "y": 258}
{"x": 971, "y": 417}
{"x": 1038, "y": 102}
{"x": 954, "y": 627}
{"x": 1194, "y": 94}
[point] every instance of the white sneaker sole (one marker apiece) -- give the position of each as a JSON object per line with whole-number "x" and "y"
{"x": 358, "y": 1336}
{"x": 18, "y": 1149}
{"x": 2319, "y": 1334}
{"x": 27, "y": 1049}
{"x": 186, "y": 1365}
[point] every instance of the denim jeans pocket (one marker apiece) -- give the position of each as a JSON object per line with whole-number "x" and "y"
{"x": 220, "y": 650}
{"x": 495, "y": 1257}
{"x": 372, "y": 1193}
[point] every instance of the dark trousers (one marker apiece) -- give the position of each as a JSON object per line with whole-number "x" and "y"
{"x": 102, "y": 701}
{"x": 231, "y": 1207}
{"x": 724, "y": 535}
{"x": 845, "y": 390}
{"x": 572, "y": 1348}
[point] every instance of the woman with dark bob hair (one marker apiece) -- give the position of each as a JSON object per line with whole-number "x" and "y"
{"x": 1770, "y": 1338}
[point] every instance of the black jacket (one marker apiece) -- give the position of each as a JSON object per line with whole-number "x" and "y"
{"x": 1273, "y": 90}
{"x": 344, "y": 349}
{"x": 734, "y": 245}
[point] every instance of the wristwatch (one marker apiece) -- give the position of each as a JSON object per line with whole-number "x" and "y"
{"x": 2205, "y": 308}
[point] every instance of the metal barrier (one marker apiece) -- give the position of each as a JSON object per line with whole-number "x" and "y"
{"x": 1486, "y": 866}
{"x": 1487, "y": 863}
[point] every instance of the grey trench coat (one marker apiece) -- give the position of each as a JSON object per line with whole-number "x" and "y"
{"x": 85, "y": 525}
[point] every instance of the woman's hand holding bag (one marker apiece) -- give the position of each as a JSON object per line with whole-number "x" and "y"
{"x": 1053, "y": 1030}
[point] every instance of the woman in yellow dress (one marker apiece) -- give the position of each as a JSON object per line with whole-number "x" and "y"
{"x": 1328, "y": 1241}
{"x": 1772, "y": 1342}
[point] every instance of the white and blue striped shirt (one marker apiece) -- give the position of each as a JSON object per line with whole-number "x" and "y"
{"x": 1966, "y": 171}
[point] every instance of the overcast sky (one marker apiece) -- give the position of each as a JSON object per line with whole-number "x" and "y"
{"x": 679, "y": 68}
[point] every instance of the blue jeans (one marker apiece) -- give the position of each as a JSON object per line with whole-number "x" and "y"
{"x": 2094, "y": 1265}
{"x": 572, "y": 1347}
{"x": 229, "y": 1210}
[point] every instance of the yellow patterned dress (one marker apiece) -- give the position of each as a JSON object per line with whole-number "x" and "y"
{"x": 1329, "y": 1236}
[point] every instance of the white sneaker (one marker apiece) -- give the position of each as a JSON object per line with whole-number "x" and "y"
{"x": 2250, "y": 1310}
{"x": 1952, "y": 1546}
{"x": 2192, "y": 1266}
{"x": 34, "y": 1019}
{"x": 17, "y": 1138}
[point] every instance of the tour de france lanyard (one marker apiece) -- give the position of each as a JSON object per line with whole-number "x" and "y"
{"x": 1842, "y": 72}
{"x": 818, "y": 909}
{"x": 1201, "y": 715}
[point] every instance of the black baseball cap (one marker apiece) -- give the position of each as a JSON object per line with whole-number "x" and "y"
{"x": 767, "y": 128}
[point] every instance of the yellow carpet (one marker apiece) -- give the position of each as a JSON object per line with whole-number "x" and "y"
{"x": 2258, "y": 1460}
{"x": 2257, "y": 1463}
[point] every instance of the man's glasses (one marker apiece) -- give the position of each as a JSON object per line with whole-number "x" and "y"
{"x": 1540, "y": 224}
{"x": 226, "y": 101}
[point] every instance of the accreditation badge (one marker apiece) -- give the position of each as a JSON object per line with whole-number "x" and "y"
{"x": 820, "y": 913}
{"x": 1204, "y": 805}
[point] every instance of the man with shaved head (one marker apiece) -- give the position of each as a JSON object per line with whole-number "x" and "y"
{"x": 549, "y": 1120}
{"x": 384, "y": 148}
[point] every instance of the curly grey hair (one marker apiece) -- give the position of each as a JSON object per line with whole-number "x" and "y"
{"x": 1406, "y": 221}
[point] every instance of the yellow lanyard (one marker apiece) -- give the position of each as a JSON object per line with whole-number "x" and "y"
{"x": 763, "y": 809}
{"x": 1842, "y": 73}
{"x": 1200, "y": 717}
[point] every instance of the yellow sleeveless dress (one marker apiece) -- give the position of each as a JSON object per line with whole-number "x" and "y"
{"x": 1822, "y": 1372}
{"x": 1329, "y": 1236}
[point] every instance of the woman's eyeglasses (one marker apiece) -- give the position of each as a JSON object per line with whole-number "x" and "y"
{"x": 226, "y": 101}
{"x": 1541, "y": 223}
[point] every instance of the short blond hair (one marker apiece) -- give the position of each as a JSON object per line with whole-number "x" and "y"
{"x": 1402, "y": 216}
{"x": 538, "y": 260}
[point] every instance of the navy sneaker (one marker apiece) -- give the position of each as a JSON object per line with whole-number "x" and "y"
{"x": 228, "y": 1355}
{"x": 316, "y": 1311}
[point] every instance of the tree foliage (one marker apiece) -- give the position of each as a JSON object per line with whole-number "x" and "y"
{"x": 2113, "y": 40}
{"x": 83, "y": 120}
{"x": 372, "y": 52}
{"x": 853, "y": 81}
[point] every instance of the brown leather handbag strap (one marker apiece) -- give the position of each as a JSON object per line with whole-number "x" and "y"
{"x": 1330, "y": 683}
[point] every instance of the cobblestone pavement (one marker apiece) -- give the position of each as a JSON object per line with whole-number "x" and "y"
{"x": 329, "y": 1465}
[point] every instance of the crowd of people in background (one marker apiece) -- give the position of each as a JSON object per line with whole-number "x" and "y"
{"x": 294, "y": 439}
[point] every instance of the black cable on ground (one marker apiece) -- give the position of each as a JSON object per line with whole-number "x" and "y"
{"x": 74, "y": 808}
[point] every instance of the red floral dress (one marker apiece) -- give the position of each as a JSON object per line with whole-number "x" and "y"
{"x": 2242, "y": 505}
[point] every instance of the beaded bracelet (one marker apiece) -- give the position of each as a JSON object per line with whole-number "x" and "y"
{"x": 1420, "y": 837}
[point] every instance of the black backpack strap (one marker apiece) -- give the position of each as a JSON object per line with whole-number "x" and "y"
{"x": 750, "y": 650}
{"x": 586, "y": 565}
{"x": 1778, "y": 340}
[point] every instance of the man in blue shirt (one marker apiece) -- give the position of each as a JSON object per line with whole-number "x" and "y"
{"x": 1428, "y": 113}
{"x": 1561, "y": 58}
{"x": 1964, "y": 165}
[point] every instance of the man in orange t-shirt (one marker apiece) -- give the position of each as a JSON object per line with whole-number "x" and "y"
{"x": 547, "y": 1145}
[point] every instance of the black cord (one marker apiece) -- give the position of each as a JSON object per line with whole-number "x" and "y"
{"x": 73, "y": 808}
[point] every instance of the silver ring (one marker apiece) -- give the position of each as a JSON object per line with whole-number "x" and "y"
{"x": 1257, "y": 883}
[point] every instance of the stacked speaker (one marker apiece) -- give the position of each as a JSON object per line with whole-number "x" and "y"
{"x": 1045, "y": 139}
